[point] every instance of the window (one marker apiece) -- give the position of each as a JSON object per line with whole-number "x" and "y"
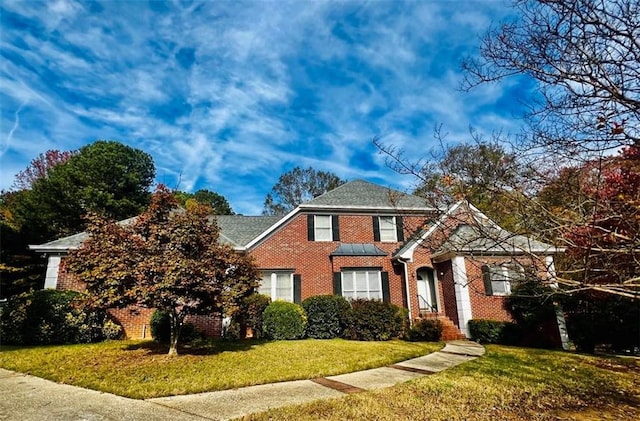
{"x": 322, "y": 225}
{"x": 387, "y": 229}
{"x": 277, "y": 284}
{"x": 323, "y": 228}
{"x": 362, "y": 284}
{"x": 499, "y": 279}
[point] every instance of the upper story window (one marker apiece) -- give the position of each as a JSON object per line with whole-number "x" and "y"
{"x": 277, "y": 284}
{"x": 323, "y": 228}
{"x": 500, "y": 279}
{"x": 388, "y": 229}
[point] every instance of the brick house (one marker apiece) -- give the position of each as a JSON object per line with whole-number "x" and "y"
{"x": 362, "y": 240}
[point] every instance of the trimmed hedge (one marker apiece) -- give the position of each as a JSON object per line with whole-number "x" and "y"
{"x": 325, "y": 315}
{"x": 161, "y": 329}
{"x": 50, "y": 316}
{"x": 429, "y": 330}
{"x": 373, "y": 320}
{"x": 282, "y": 320}
{"x": 493, "y": 332}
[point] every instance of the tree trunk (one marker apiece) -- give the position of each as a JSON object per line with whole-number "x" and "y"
{"x": 176, "y": 326}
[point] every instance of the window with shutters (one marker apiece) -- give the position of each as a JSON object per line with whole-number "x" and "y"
{"x": 388, "y": 229}
{"x": 362, "y": 284}
{"x": 323, "y": 231}
{"x": 277, "y": 284}
{"x": 500, "y": 279}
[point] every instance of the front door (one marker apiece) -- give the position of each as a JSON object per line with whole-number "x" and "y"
{"x": 427, "y": 292}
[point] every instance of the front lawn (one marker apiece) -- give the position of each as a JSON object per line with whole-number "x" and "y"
{"x": 141, "y": 369}
{"x": 506, "y": 384}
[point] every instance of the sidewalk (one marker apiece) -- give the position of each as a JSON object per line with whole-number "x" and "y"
{"x": 31, "y": 398}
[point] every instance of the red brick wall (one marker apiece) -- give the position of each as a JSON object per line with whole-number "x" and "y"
{"x": 445, "y": 276}
{"x": 66, "y": 281}
{"x": 484, "y": 306}
{"x": 289, "y": 248}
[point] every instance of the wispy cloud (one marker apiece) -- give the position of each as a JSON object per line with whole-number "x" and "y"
{"x": 229, "y": 95}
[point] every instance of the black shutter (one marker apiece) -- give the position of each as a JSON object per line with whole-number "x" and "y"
{"x": 310, "y": 228}
{"x": 297, "y": 284}
{"x": 335, "y": 227}
{"x": 486, "y": 277}
{"x": 386, "y": 295}
{"x": 337, "y": 283}
{"x": 399, "y": 229}
{"x": 376, "y": 229}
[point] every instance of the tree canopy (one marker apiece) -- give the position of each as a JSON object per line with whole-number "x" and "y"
{"x": 218, "y": 203}
{"x": 585, "y": 57}
{"x": 104, "y": 177}
{"x": 167, "y": 258}
{"x": 298, "y": 186}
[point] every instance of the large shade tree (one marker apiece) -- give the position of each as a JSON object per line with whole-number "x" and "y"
{"x": 298, "y": 186}
{"x": 105, "y": 177}
{"x": 167, "y": 258}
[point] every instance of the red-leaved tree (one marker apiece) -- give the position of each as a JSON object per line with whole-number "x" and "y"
{"x": 39, "y": 167}
{"x": 167, "y": 258}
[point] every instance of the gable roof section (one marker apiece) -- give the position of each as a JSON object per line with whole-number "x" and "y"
{"x": 489, "y": 240}
{"x": 359, "y": 194}
{"x": 239, "y": 230}
{"x": 482, "y": 237}
{"x": 64, "y": 244}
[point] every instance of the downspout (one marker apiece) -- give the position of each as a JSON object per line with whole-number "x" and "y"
{"x": 406, "y": 285}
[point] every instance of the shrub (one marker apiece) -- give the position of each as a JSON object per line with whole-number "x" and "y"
{"x": 51, "y": 317}
{"x": 161, "y": 329}
{"x": 426, "y": 330}
{"x": 373, "y": 320}
{"x": 254, "y": 307}
{"x": 111, "y": 330}
{"x": 282, "y": 320}
{"x": 494, "y": 332}
{"x": 596, "y": 319}
{"x": 326, "y": 315}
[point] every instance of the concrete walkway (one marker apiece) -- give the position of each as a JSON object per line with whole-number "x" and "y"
{"x": 30, "y": 398}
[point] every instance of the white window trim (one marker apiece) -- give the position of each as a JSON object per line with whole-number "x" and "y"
{"x": 507, "y": 278}
{"x": 352, "y": 272}
{"x": 274, "y": 284}
{"x": 315, "y": 227}
{"x": 395, "y": 229}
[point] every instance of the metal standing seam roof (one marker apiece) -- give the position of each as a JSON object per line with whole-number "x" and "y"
{"x": 358, "y": 249}
{"x": 363, "y": 194}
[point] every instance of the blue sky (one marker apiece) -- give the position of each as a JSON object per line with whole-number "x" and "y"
{"x": 229, "y": 95}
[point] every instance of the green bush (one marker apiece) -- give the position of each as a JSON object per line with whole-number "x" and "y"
{"x": 429, "y": 330}
{"x": 51, "y": 317}
{"x": 596, "y": 319}
{"x": 161, "y": 329}
{"x": 494, "y": 332}
{"x": 254, "y": 307}
{"x": 373, "y": 320}
{"x": 282, "y": 320}
{"x": 326, "y": 315}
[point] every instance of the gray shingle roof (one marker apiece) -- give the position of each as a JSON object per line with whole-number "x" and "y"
{"x": 364, "y": 195}
{"x": 358, "y": 249}
{"x": 491, "y": 240}
{"x": 239, "y": 230}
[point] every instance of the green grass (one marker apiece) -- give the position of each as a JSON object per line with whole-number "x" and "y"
{"x": 506, "y": 384}
{"x": 143, "y": 370}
